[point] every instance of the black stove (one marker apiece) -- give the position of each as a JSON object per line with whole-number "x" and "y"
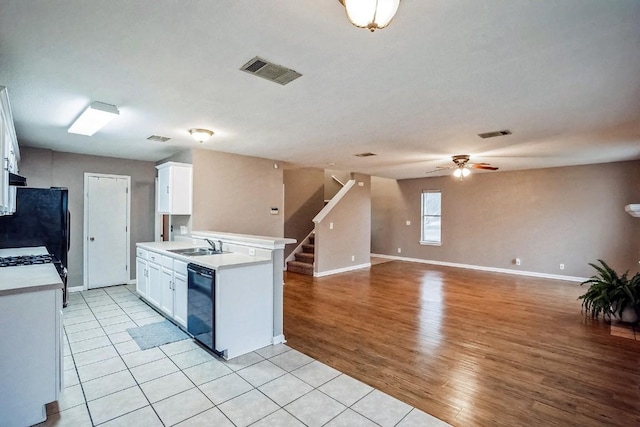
{"x": 13, "y": 261}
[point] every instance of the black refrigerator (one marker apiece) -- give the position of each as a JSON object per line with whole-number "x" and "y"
{"x": 41, "y": 219}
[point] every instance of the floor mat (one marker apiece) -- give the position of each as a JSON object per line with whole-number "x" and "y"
{"x": 156, "y": 334}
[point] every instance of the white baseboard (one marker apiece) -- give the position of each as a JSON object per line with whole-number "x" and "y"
{"x": 483, "y": 268}
{"x": 75, "y": 289}
{"x": 342, "y": 270}
{"x": 132, "y": 282}
{"x": 278, "y": 340}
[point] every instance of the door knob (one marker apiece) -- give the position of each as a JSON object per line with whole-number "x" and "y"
{"x": 92, "y": 238}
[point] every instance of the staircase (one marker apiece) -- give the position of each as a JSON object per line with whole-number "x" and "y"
{"x": 303, "y": 263}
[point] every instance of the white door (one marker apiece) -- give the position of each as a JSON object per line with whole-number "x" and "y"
{"x": 106, "y": 230}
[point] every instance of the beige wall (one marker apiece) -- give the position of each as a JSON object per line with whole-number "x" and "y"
{"x": 234, "y": 193}
{"x": 570, "y": 215}
{"x": 331, "y": 187}
{"x": 303, "y": 199}
{"x": 46, "y": 168}
{"x": 351, "y": 233}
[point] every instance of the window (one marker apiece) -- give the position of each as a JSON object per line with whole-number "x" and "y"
{"x": 431, "y": 217}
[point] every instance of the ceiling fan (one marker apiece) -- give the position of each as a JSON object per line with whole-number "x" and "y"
{"x": 462, "y": 166}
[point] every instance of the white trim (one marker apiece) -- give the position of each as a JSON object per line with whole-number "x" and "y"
{"x": 298, "y": 249}
{"x": 278, "y": 340}
{"x": 85, "y": 266}
{"x": 428, "y": 243}
{"x": 75, "y": 289}
{"x": 334, "y": 201}
{"x": 341, "y": 270}
{"x": 483, "y": 268}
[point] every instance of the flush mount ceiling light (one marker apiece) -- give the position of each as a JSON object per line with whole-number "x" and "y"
{"x": 201, "y": 135}
{"x": 370, "y": 14}
{"x": 97, "y": 115}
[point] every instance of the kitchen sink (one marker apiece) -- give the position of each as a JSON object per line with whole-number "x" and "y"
{"x": 197, "y": 251}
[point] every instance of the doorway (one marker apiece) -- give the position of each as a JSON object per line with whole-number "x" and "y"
{"x": 106, "y": 229}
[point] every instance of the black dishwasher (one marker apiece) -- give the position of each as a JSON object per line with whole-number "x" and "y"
{"x": 201, "y": 323}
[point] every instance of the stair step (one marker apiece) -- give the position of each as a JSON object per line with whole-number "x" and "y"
{"x": 305, "y": 257}
{"x": 300, "y": 267}
{"x": 308, "y": 248}
{"x": 312, "y": 239}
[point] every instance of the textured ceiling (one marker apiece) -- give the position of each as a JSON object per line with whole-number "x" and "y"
{"x": 563, "y": 75}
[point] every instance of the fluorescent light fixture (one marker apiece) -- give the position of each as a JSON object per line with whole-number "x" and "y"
{"x": 200, "y": 135}
{"x": 94, "y": 118}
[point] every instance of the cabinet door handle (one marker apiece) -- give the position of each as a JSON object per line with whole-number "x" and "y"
{"x": 6, "y": 165}
{"x": 167, "y": 189}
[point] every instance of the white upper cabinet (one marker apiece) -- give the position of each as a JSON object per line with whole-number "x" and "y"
{"x": 9, "y": 154}
{"x": 175, "y": 192}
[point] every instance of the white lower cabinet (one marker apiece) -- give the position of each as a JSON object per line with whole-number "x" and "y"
{"x": 154, "y": 275}
{"x": 180, "y": 291}
{"x": 166, "y": 283}
{"x": 142, "y": 282}
{"x": 162, "y": 281}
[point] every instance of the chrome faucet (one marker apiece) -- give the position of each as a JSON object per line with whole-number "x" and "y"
{"x": 213, "y": 245}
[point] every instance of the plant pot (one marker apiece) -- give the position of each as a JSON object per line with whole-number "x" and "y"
{"x": 628, "y": 315}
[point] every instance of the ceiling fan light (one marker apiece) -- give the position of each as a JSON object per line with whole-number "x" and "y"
{"x": 371, "y": 14}
{"x": 201, "y": 135}
{"x": 465, "y": 172}
{"x": 457, "y": 173}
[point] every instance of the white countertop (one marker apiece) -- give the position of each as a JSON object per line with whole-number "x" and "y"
{"x": 266, "y": 242}
{"x": 27, "y": 278}
{"x": 220, "y": 261}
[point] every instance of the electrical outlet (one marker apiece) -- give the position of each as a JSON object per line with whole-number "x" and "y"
{"x": 518, "y": 261}
{"x": 330, "y": 226}
{"x": 252, "y": 251}
{"x": 399, "y": 250}
{"x": 561, "y": 266}
{"x": 353, "y": 257}
{"x": 408, "y": 222}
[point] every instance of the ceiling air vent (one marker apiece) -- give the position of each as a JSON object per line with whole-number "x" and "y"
{"x": 267, "y": 70}
{"x": 365, "y": 154}
{"x": 494, "y": 134}
{"x": 158, "y": 138}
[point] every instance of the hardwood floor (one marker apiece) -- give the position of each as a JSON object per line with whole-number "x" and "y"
{"x": 471, "y": 348}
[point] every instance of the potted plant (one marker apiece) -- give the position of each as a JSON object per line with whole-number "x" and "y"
{"x": 612, "y": 295}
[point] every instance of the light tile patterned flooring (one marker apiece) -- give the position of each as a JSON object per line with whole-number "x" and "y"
{"x": 109, "y": 381}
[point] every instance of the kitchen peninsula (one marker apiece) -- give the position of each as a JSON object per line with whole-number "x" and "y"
{"x": 246, "y": 291}
{"x": 31, "y": 339}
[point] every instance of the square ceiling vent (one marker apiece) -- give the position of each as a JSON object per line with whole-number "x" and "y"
{"x": 267, "y": 70}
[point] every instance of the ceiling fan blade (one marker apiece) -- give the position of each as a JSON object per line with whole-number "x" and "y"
{"x": 489, "y": 168}
{"x": 445, "y": 167}
{"x": 472, "y": 164}
{"x": 440, "y": 169}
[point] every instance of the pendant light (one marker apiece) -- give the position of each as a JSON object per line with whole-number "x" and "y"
{"x": 371, "y": 14}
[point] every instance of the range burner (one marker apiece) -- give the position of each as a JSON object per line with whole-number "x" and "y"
{"x": 13, "y": 261}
